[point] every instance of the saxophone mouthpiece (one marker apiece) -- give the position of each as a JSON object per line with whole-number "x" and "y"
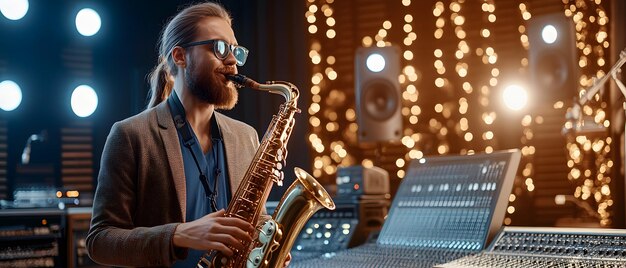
{"x": 243, "y": 81}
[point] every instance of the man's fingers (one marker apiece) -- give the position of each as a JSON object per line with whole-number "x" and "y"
{"x": 219, "y": 213}
{"x": 231, "y": 221}
{"x": 227, "y": 240}
{"x": 236, "y": 232}
{"x": 224, "y": 234}
{"x": 219, "y": 247}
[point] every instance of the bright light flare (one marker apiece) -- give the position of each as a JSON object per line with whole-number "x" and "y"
{"x": 88, "y": 22}
{"x": 10, "y": 95}
{"x": 14, "y": 9}
{"x": 375, "y": 62}
{"x": 549, "y": 34}
{"x": 84, "y": 101}
{"x": 515, "y": 97}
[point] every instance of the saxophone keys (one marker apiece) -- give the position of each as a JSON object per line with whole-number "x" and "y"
{"x": 278, "y": 181}
{"x": 279, "y": 155}
{"x": 278, "y": 165}
{"x": 278, "y": 177}
{"x": 257, "y": 260}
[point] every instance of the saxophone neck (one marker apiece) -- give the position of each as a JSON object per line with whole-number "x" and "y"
{"x": 285, "y": 89}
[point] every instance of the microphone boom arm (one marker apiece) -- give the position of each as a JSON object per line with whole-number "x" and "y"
{"x": 599, "y": 83}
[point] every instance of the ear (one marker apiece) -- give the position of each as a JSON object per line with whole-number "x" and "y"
{"x": 178, "y": 55}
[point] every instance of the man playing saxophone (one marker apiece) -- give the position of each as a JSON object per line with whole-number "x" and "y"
{"x": 168, "y": 173}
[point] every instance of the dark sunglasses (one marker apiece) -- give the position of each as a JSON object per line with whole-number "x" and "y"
{"x": 222, "y": 49}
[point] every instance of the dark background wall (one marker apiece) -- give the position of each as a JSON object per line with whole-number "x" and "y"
{"x": 44, "y": 53}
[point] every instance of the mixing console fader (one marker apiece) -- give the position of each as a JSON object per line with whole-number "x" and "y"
{"x": 446, "y": 207}
{"x": 520, "y": 247}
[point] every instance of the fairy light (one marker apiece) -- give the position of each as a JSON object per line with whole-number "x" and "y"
{"x": 461, "y": 68}
{"x": 524, "y": 183}
{"x": 320, "y": 17}
{"x": 410, "y": 93}
{"x": 589, "y": 157}
{"x": 441, "y": 82}
{"x": 488, "y": 7}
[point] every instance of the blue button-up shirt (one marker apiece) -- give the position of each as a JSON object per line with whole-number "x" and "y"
{"x": 213, "y": 164}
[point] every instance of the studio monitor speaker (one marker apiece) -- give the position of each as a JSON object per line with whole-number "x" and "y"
{"x": 552, "y": 59}
{"x": 377, "y": 90}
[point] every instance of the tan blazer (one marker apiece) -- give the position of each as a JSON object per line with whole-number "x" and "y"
{"x": 141, "y": 196}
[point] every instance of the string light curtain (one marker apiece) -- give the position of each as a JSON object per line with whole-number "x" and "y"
{"x": 589, "y": 154}
{"x": 456, "y": 57}
{"x": 436, "y": 115}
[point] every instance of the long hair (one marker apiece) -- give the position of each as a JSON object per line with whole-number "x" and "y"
{"x": 181, "y": 29}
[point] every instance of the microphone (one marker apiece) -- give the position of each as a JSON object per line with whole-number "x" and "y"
{"x": 581, "y": 124}
{"x": 572, "y": 119}
{"x": 41, "y": 137}
{"x": 561, "y": 199}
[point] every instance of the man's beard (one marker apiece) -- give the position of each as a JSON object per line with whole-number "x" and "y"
{"x": 210, "y": 88}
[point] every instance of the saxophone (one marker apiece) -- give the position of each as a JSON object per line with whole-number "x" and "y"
{"x": 301, "y": 200}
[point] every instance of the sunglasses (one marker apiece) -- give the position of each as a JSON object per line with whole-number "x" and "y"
{"x": 222, "y": 49}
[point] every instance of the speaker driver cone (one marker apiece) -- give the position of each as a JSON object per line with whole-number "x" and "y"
{"x": 552, "y": 72}
{"x": 380, "y": 99}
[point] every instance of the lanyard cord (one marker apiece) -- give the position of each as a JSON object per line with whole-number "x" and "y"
{"x": 180, "y": 121}
{"x": 203, "y": 179}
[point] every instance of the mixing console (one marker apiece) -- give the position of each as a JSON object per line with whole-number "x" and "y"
{"x": 326, "y": 231}
{"x": 446, "y": 207}
{"x": 32, "y": 238}
{"x": 550, "y": 247}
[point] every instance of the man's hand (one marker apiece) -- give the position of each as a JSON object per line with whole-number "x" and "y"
{"x": 214, "y": 232}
